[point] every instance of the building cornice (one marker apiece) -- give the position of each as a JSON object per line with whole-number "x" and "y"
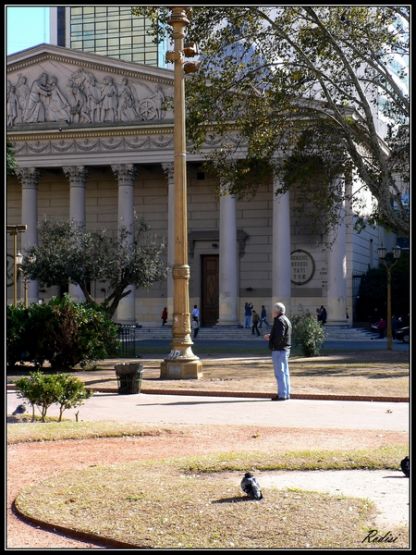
{"x": 160, "y": 129}
{"x": 43, "y": 53}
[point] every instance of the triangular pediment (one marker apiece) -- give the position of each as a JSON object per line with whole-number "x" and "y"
{"x": 49, "y": 85}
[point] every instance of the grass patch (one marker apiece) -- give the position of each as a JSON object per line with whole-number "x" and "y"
{"x": 160, "y": 507}
{"x": 377, "y": 373}
{"x": 368, "y": 459}
{"x": 25, "y": 418}
{"x": 57, "y": 431}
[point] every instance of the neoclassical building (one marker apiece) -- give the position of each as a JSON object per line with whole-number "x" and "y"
{"x": 93, "y": 140}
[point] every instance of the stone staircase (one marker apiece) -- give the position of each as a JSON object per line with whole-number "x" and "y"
{"x": 344, "y": 333}
{"x": 230, "y": 333}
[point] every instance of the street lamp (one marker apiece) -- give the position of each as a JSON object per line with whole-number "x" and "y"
{"x": 181, "y": 361}
{"x": 389, "y": 260}
{"x": 13, "y": 231}
{"x": 19, "y": 262}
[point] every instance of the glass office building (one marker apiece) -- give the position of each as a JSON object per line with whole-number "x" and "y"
{"x": 108, "y": 30}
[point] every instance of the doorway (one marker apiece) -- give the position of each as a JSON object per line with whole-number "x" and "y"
{"x": 209, "y": 289}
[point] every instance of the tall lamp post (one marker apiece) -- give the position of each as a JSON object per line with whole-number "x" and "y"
{"x": 389, "y": 260}
{"x": 13, "y": 231}
{"x": 181, "y": 362}
{"x": 19, "y": 261}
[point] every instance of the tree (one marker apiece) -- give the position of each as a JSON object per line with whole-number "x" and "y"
{"x": 68, "y": 253}
{"x": 272, "y": 75}
{"x": 10, "y": 159}
{"x": 373, "y": 291}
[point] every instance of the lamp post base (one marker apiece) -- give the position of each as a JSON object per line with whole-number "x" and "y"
{"x": 181, "y": 369}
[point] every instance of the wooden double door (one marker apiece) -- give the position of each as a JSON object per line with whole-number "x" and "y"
{"x": 209, "y": 289}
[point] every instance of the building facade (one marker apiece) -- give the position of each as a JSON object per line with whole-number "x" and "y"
{"x": 93, "y": 139}
{"x": 106, "y": 30}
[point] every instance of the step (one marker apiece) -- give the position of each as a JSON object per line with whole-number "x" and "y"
{"x": 243, "y": 334}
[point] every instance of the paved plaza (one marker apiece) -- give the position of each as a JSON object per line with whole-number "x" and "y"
{"x": 176, "y": 409}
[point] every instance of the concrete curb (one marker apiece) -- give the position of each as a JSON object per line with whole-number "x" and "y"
{"x": 250, "y": 395}
{"x": 89, "y": 537}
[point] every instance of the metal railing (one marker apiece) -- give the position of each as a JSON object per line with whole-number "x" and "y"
{"x": 127, "y": 341}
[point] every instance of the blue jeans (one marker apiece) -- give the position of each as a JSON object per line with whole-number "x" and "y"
{"x": 281, "y": 372}
{"x": 247, "y": 321}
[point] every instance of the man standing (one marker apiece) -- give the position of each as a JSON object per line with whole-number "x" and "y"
{"x": 279, "y": 340}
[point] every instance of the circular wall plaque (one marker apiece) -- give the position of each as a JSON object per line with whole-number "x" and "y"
{"x": 303, "y": 267}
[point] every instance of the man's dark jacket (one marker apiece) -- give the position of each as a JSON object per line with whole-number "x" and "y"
{"x": 281, "y": 334}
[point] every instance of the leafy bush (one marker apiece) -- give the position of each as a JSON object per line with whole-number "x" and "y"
{"x": 308, "y": 333}
{"x": 31, "y": 389}
{"x": 71, "y": 393}
{"x": 44, "y": 390}
{"x": 83, "y": 334}
{"x": 16, "y": 317}
{"x": 63, "y": 332}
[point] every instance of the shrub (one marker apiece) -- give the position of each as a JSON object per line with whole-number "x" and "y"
{"x": 71, "y": 394}
{"x": 16, "y": 318}
{"x": 308, "y": 333}
{"x": 30, "y": 388}
{"x": 44, "y": 390}
{"x": 63, "y": 332}
{"x": 84, "y": 334}
{"x": 36, "y": 338}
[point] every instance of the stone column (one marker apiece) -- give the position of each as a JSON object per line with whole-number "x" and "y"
{"x": 29, "y": 178}
{"x": 168, "y": 169}
{"x": 77, "y": 177}
{"x": 125, "y": 174}
{"x": 228, "y": 270}
{"x": 337, "y": 269}
{"x": 281, "y": 247}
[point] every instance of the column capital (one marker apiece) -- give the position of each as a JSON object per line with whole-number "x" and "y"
{"x": 168, "y": 169}
{"x": 125, "y": 173}
{"x": 224, "y": 189}
{"x": 28, "y": 177}
{"x": 76, "y": 175}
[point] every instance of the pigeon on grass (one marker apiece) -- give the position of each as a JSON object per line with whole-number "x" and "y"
{"x": 405, "y": 466}
{"x": 20, "y": 409}
{"x": 251, "y": 487}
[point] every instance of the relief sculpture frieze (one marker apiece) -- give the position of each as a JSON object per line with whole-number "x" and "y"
{"x": 83, "y": 98}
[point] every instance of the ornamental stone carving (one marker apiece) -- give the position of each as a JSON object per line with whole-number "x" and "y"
{"x": 83, "y": 99}
{"x": 125, "y": 173}
{"x": 28, "y": 177}
{"x": 168, "y": 169}
{"x": 76, "y": 175}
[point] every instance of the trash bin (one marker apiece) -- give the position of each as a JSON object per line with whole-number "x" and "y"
{"x": 129, "y": 377}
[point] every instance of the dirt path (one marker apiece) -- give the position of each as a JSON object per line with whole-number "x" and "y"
{"x": 388, "y": 489}
{"x": 30, "y": 462}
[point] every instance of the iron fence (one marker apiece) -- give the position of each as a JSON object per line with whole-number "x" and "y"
{"x": 127, "y": 341}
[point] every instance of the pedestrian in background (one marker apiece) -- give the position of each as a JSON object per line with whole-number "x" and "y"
{"x": 195, "y": 326}
{"x": 248, "y": 308}
{"x": 381, "y": 326}
{"x": 263, "y": 317}
{"x": 256, "y": 321}
{"x": 164, "y": 316}
{"x": 279, "y": 340}
{"x": 195, "y": 312}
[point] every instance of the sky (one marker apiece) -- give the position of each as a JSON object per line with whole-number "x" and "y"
{"x": 26, "y": 27}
